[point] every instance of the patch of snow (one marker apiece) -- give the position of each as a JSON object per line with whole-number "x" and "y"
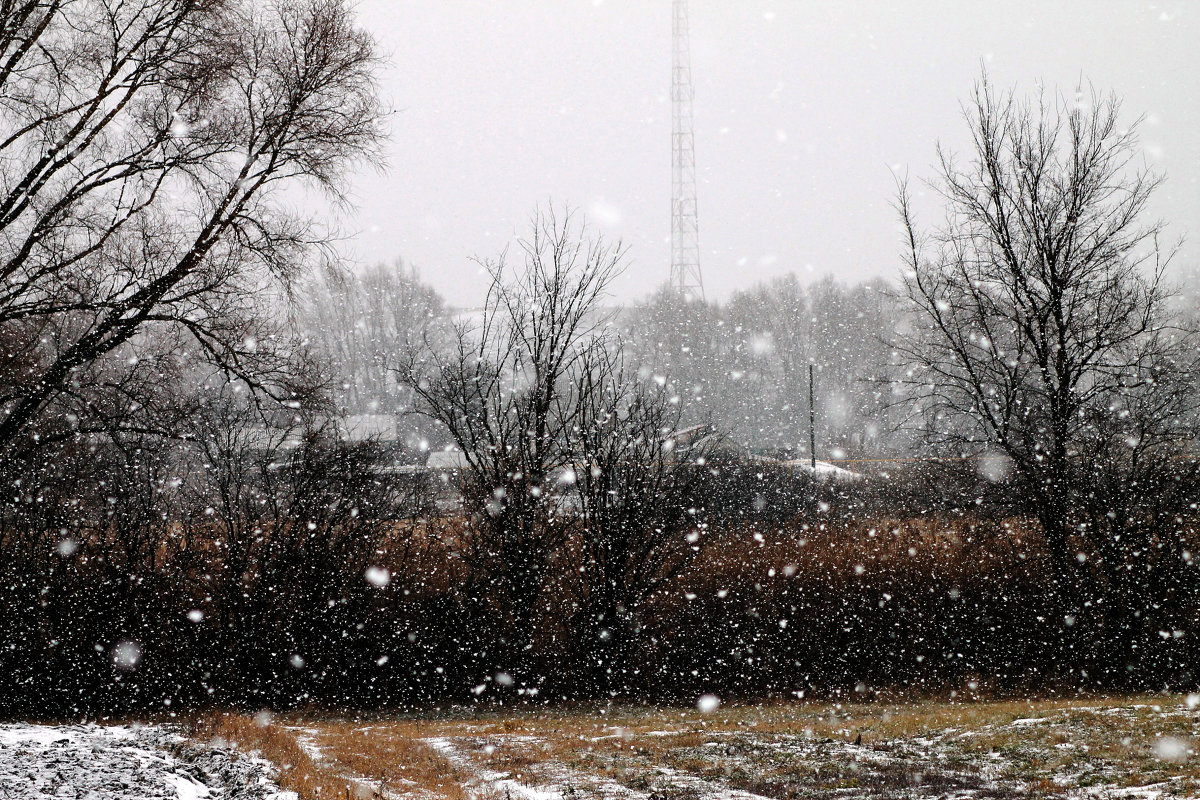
{"x": 496, "y": 781}
{"x": 119, "y": 762}
{"x": 188, "y": 788}
{"x": 558, "y": 774}
{"x": 1152, "y": 791}
{"x": 704, "y": 788}
{"x": 823, "y": 470}
{"x": 306, "y": 739}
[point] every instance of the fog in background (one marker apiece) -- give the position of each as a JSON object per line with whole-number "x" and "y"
{"x": 803, "y": 110}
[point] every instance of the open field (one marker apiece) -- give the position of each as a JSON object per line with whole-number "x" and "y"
{"x": 1143, "y": 747}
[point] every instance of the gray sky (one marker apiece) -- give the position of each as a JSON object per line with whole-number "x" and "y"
{"x": 802, "y": 109}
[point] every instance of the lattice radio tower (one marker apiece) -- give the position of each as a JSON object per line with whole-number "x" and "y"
{"x": 685, "y": 229}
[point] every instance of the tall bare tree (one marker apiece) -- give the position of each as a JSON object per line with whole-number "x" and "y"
{"x": 503, "y": 391}
{"x": 1045, "y": 335}
{"x": 142, "y": 148}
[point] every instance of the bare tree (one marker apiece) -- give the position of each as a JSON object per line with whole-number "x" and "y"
{"x": 142, "y": 146}
{"x": 640, "y": 523}
{"x": 502, "y": 389}
{"x": 1045, "y": 338}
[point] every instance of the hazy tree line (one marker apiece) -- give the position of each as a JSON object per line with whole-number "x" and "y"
{"x": 741, "y": 364}
{"x": 189, "y": 517}
{"x": 745, "y": 363}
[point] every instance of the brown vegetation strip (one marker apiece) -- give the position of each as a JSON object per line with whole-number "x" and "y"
{"x": 357, "y": 760}
{"x": 392, "y": 756}
{"x": 295, "y": 770}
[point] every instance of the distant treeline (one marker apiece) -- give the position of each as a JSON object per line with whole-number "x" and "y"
{"x": 741, "y": 364}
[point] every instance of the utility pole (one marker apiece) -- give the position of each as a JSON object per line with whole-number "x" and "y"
{"x": 812, "y": 421}
{"x": 685, "y": 227}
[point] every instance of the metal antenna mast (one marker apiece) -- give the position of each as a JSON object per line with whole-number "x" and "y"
{"x": 685, "y": 229}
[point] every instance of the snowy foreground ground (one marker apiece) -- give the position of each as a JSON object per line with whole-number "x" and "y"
{"x": 1141, "y": 748}
{"x": 90, "y": 762}
{"x": 1115, "y": 748}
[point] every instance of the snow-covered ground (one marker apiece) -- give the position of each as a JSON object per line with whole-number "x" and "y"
{"x": 1102, "y": 749}
{"x": 1096, "y": 749}
{"x": 558, "y": 781}
{"x": 120, "y": 762}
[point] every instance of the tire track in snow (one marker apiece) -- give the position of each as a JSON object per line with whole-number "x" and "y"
{"x": 581, "y": 783}
{"x": 308, "y": 740}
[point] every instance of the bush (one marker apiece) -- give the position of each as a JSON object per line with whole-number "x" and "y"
{"x": 319, "y": 583}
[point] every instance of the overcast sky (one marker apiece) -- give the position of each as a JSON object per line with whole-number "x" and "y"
{"x": 803, "y": 108}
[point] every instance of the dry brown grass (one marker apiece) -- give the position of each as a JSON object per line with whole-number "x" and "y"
{"x": 357, "y": 760}
{"x": 390, "y": 755}
{"x": 295, "y": 769}
{"x": 955, "y": 549}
